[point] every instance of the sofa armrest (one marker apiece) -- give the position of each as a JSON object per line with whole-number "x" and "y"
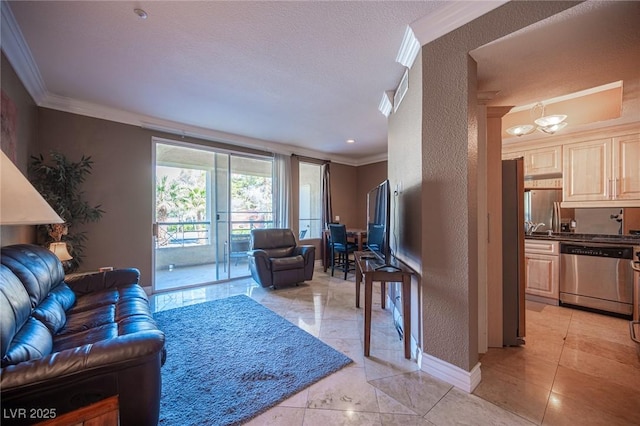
{"x": 97, "y": 281}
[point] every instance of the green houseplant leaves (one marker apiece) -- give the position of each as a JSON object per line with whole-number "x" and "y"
{"x": 60, "y": 183}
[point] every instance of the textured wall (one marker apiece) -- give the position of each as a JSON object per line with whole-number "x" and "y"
{"x": 448, "y": 205}
{"x": 433, "y": 150}
{"x": 26, "y": 125}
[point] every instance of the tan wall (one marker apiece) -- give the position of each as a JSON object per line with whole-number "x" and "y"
{"x": 368, "y": 177}
{"x": 442, "y": 132}
{"x": 344, "y": 194}
{"x": 121, "y": 181}
{"x": 26, "y": 125}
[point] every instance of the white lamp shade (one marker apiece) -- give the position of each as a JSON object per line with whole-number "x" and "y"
{"x": 20, "y": 202}
{"x": 520, "y": 130}
{"x": 553, "y": 128}
{"x": 550, "y": 120}
{"x": 60, "y": 250}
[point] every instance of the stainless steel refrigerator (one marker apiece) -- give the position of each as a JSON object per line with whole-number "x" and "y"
{"x": 513, "y": 284}
{"x": 542, "y": 206}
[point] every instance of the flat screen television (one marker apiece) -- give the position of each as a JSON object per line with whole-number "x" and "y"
{"x": 379, "y": 222}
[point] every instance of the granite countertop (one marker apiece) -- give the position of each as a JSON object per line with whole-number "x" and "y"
{"x": 586, "y": 238}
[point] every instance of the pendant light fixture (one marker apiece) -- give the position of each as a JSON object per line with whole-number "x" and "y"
{"x": 548, "y": 124}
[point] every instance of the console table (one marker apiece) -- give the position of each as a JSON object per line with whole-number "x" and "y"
{"x": 370, "y": 269}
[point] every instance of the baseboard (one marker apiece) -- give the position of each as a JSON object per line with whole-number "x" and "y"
{"x": 455, "y": 376}
{"x": 464, "y": 380}
{"x": 541, "y": 299}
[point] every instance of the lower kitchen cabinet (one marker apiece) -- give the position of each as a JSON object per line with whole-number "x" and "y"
{"x": 542, "y": 270}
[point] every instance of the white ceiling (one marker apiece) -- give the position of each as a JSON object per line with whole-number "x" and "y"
{"x": 308, "y": 75}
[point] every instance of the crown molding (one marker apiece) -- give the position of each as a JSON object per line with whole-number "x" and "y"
{"x": 17, "y": 52}
{"x": 89, "y": 109}
{"x": 450, "y": 16}
{"x": 385, "y": 104}
{"x": 409, "y": 48}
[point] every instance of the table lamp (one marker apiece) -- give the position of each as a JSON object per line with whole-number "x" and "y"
{"x": 20, "y": 202}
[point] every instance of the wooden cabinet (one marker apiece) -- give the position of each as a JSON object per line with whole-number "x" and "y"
{"x": 101, "y": 413}
{"x": 543, "y": 183}
{"x": 512, "y": 155}
{"x": 587, "y": 170}
{"x": 538, "y": 162}
{"x": 543, "y": 161}
{"x": 604, "y": 172}
{"x": 542, "y": 270}
{"x": 626, "y": 167}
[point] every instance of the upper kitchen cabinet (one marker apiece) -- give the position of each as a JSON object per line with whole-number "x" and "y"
{"x": 540, "y": 161}
{"x": 543, "y": 161}
{"x": 626, "y": 185}
{"x": 512, "y": 155}
{"x": 602, "y": 173}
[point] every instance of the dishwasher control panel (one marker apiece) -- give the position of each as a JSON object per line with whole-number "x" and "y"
{"x": 617, "y": 252}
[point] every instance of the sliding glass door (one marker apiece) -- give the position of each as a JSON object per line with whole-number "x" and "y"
{"x": 206, "y": 203}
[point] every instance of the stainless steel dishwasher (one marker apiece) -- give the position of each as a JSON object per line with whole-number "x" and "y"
{"x": 597, "y": 276}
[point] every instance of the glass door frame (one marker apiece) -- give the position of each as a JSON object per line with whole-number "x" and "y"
{"x": 215, "y": 210}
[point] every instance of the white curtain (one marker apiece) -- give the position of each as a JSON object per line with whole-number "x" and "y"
{"x": 282, "y": 190}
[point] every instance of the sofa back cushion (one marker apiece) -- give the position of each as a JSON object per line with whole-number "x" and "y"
{"x": 15, "y": 307}
{"x": 36, "y": 267}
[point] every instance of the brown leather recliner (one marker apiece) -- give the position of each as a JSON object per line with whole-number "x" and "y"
{"x": 275, "y": 259}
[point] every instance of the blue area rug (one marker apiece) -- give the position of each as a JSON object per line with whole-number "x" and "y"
{"x": 231, "y": 359}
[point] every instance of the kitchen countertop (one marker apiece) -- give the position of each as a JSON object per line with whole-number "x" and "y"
{"x": 586, "y": 238}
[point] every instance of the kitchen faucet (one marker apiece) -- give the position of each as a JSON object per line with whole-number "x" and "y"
{"x": 530, "y": 227}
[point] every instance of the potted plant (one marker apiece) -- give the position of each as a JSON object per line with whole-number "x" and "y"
{"x": 60, "y": 181}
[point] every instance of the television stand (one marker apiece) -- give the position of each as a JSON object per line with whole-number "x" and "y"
{"x": 372, "y": 271}
{"x": 388, "y": 268}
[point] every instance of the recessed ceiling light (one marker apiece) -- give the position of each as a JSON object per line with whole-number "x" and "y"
{"x": 141, "y": 13}
{"x": 351, "y": 141}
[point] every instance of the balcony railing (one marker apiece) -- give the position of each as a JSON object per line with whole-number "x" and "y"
{"x": 183, "y": 234}
{"x": 187, "y": 234}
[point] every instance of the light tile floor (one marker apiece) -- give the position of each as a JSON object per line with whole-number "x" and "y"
{"x": 577, "y": 368}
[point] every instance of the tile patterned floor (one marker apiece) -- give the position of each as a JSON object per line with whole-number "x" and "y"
{"x": 576, "y": 367}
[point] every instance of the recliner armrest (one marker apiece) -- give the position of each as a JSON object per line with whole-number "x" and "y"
{"x": 257, "y": 253}
{"x": 305, "y": 251}
{"x": 97, "y": 281}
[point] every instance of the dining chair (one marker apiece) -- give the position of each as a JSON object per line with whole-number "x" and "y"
{"x": 340, "y": 248}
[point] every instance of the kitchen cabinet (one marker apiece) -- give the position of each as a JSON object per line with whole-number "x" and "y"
{"x": 538, "y": 162}
{"x": 627, "y": 167}
{"x": 512, "y": 155}
{"x": 602, "y": 173}
{"x": 543, "y": 161}
{"x": 555, "y": 183}
{"x": 542, "y": 270}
